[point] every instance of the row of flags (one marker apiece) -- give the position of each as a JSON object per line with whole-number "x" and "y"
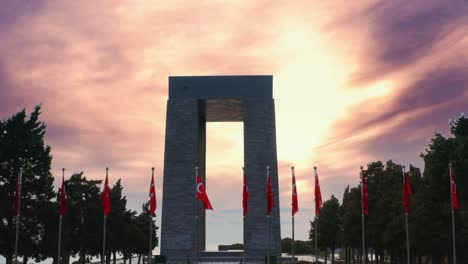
{"x": 105, "y": 195}
{"x": 203, "y": 196}
{"x": 406, "y": 193}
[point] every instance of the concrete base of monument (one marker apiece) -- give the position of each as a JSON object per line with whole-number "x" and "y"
{"x": 232, "y": 256}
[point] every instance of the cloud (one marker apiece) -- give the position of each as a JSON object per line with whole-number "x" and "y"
{"x": 407, "y": 33}
{"x": 353, "y": 82}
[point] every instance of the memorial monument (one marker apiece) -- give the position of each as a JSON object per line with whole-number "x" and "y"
{"x": 193, "y": 101}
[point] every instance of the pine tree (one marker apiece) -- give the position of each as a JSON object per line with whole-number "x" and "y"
{"x": 22, "y": 146}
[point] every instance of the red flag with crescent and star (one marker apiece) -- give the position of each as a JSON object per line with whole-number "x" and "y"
{"x": 152, "y": 195}
{"x": 295, "y": 204}
{"x": 63, "y": 199}
{"x": 201, "y": 194}
{"x": 318, "y": 196}
{"x": 406, "y": 193}
{"x": 269, "y": 195}
{"x": 454, "y": 192}
{"x": 245, "y": 196}
{"x": 106, "y": 202}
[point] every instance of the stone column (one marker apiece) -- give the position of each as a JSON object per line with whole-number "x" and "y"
{"x": 184, "y": 149}
{"x": 259, "y": 152}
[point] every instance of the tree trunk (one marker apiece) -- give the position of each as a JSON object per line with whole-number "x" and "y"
{"x": 130, "y": 259}
{"x": 333, "y": 255}
{"x": 346, "y": 255}
{"x": 108, "y": 257}
{"x": 139, "y": 258}
{"x": 66, "y": 258}
{"x": 113, "y": 254}
{"x": 326, "y": 255}
{"x": 9, "y": 258}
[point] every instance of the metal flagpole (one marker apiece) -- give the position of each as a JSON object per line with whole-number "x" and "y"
{"x": 150, "y": 253}
{"x": 364, "y": 257}
{"x": 453, "y": 217}
{"x": 292, "y": 245}
{"x": 406, "y": 223}
{"x": 243, "y": 215}
{"x": 243, "y": 247}
{"x": 150, "y": 238}
{"x": 103, "y": 260}
{"x": 316, "y": 231}
{"x": 20, "y": 183}
{"x": 60, "y": 226}
{"x": 268, "y": 219}
{"x": 196, "y": 215}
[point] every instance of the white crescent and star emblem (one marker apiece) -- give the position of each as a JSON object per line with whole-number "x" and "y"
{"x": 294, "y": 189}
{"x": 199, "y": 185}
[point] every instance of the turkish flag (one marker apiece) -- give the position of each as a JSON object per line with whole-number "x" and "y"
{"x": 269, "y": 195}
{"x": 318, "y": 196}
{"x": 365, "y": 195}
{"x": 201, "y": 194}
{"x": 295, "y": 204}
{"x": 406, "y": 193}
{"x": 16, "y": 201}
{"x": 152, "y": 195}
{"x": 245, "y": 196}
{"x": 63, "y": 199}
{"x": 106, "y": 202}
{"x": 454, "y": 192}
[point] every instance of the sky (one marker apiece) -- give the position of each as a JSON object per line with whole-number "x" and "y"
{"x": 353, "y": 83}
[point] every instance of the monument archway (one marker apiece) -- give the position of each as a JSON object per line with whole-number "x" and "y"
{"x": 193, "y": 101}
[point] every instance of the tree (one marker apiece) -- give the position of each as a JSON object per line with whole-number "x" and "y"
{"x": 22, "y": 146}
{"x": 300, "y": 247}
{"x": 351, "y": 221}
{"x": 434, "y": 200}
{"x": 140, "y": 240}
{"x": 329, "y": 227}
{"x": 82, "y": 225}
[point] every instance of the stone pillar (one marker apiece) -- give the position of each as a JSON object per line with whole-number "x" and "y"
{"x": 184, "y": 149}
{"x": 259, "y": 152}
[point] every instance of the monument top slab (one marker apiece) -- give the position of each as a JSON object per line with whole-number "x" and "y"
{"x": 221, "y": 87}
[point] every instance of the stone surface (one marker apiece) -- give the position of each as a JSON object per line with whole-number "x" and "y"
{"x": 192, "y": 102}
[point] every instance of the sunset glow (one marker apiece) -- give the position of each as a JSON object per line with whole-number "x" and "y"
{"x": 352, "y": 83}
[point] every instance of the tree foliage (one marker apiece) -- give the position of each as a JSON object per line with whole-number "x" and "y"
{"x": 22, "y": 145}
{"x": 430, "y": 215}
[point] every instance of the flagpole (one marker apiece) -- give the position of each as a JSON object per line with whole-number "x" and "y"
{"x": 243, "y": 216}
{"x": 196, "y": 216}
{"x": 103, "y": 260}
{"x": 453, "y": 216}
{"x": 150, "y": 253}
{"x": 268, "y": 220}
{"x": 406, "y": 223}
{"x": 292, "y": 245}
{"x": 60, "y": 225}
{"x": 20, "y": 183}
{"x": 316, "y": 231}
{"x": 363, "y": 220}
